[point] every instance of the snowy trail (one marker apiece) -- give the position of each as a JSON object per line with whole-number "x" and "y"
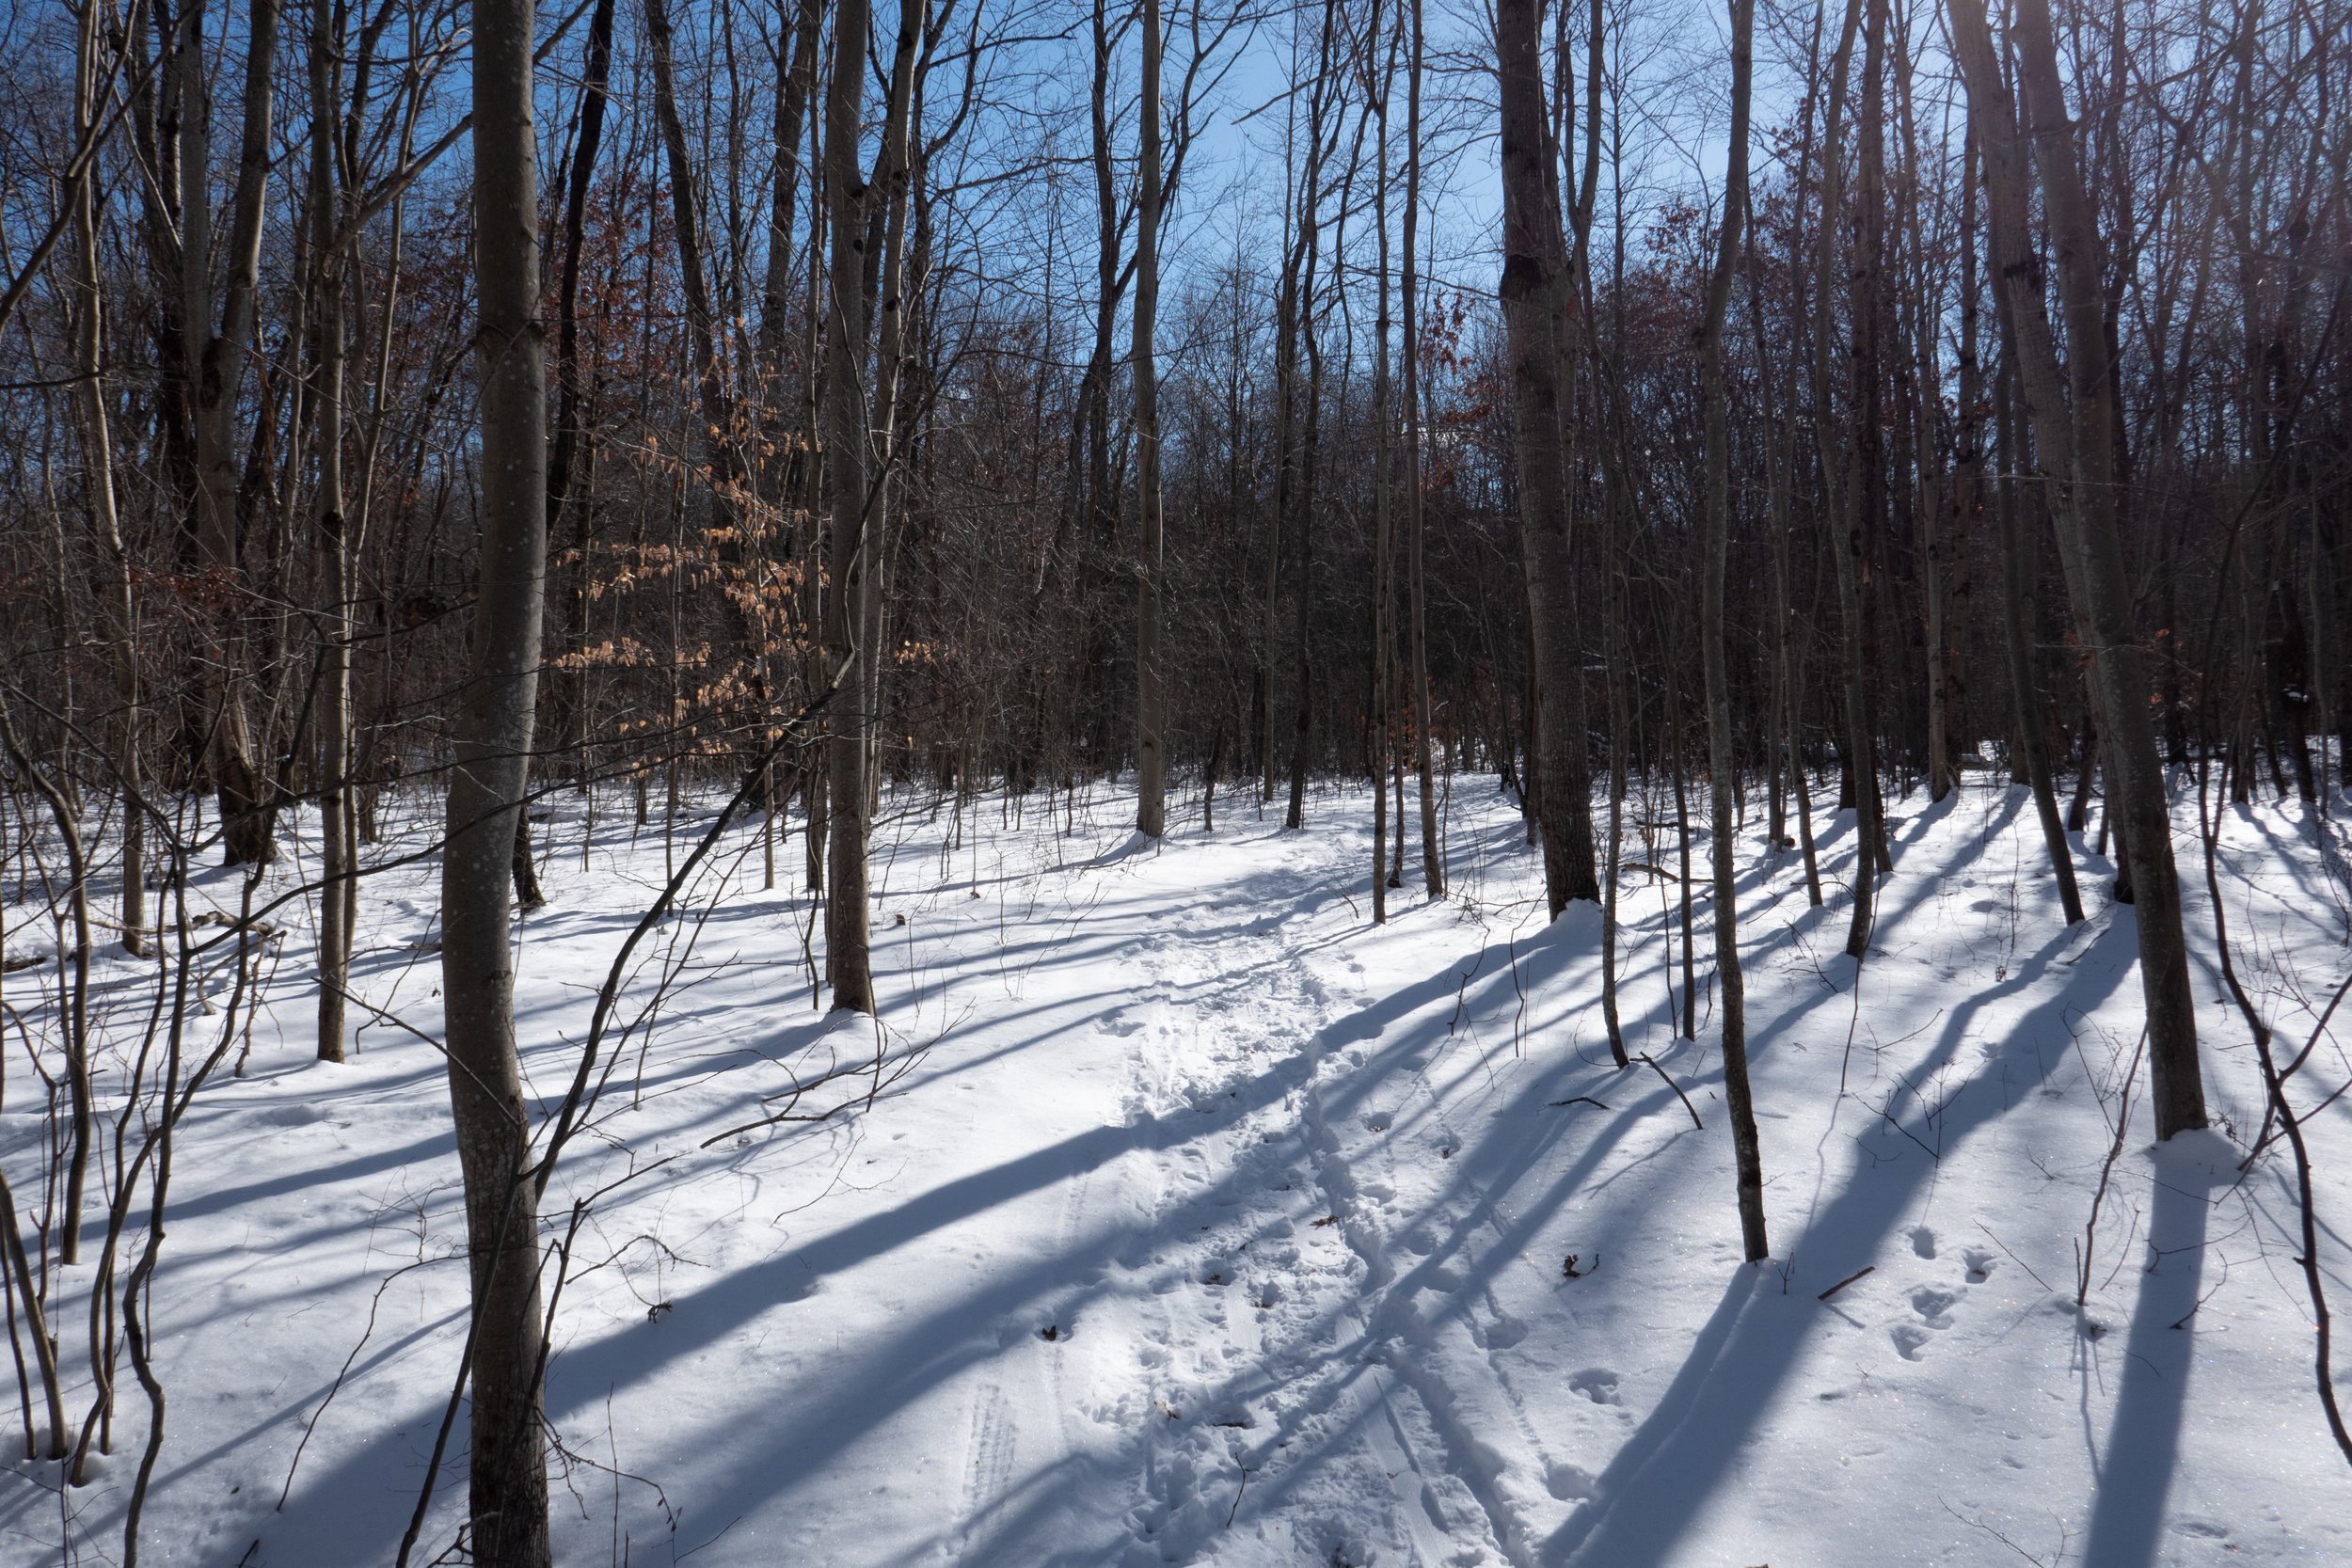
{"x": 1270, "y": 1302}
{"x": 1211, "y": 1226}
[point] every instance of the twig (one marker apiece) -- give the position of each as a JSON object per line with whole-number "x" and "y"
{"x": 1679, "y": 1093}
{"x": 1867, "y": 1268}
{"x": 2012, "y": 1257}
{"x": 1577, "y": 1100}
{"x": 1888, "y": 1114}
{"x": 1980, "y": 1523}
{"x": 2106, "y": 1172}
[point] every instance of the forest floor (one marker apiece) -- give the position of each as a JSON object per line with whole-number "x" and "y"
{"x": 1198, "y": 1220}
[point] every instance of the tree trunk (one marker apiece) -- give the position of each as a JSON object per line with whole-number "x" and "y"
{"x": 2017, "y": 617}
{"x": 215, "y": 360}
{"x": 338, "y": 839}
{"x": 1839, "y": 484}
{"x": 1381, "y": 70}
{"x": 493, "y": 740}
{"x": 1723, "y": 759}
{"x": 1151, "y": 715}
{"x": 1431, "y": 862}
{"x": 1535, "y": 290}
{"x": 2075, "y": 449}
{"x": 118, "y": 612}
{"x": 718, "y": 415}
{"x": 851, "y": 611}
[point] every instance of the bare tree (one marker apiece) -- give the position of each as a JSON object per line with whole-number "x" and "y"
{"x": 493, "y": 742}
{"x": 118, "y": 612}
{"x": 1721, "y": 755}
{"x": 1417, "y": 612}
{"x": 215, "y": 354}
{"x": 1537, "y": 289}
{"x": 848, "y": 963}
{"x": 1151, "y": 715}
{"x": 2074, "y": 424}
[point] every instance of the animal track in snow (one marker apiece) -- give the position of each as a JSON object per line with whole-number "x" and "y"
{"x": 1923, "y": 1241}
{"x": 1596, "y": 1383}
{"x": 1501, "y": 1334}
{"x": 1568, "y": 1482}
{"x": 1934, "y": 1305}
{"x": 990, "y": 1449}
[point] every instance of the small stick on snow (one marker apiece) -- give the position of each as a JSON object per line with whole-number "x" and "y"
{"x": 2013, "y": 1257}
{"x": 1867, "y": 1268}
{"x": 1577, "y": 1100}
{"x": 1679, "y": 1093}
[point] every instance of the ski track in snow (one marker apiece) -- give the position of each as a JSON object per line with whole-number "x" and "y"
{"x": 1215, "y": 1227}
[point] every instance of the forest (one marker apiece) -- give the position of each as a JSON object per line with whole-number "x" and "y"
{"x": 1229, "y": 782}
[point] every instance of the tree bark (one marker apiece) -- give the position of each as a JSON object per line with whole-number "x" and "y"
{"x": 1535, "y": 290}
{"x": 2017, "y": 596}
{"x": 1431, "y": 862}
{"x": 216, "y": 358}
{"x": 1722, "y": 758}
{"x": 1380, "y": 69}
{"x": 493, "y": 741}
{"x": 339, "y": 841}
{"x": 2074, "y": 447}
{"x": 117, "y": 616}
{"x": 1151, "y": 715}
{"x": 1837, "y": 481}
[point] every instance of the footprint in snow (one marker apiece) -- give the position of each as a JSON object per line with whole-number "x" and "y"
{"x": 1979, "y": 1265}
{"x": 1501, "y": 1334}
{"x": 1923, "y": 1241}
{"x": 1596, "y": 1383}
{"x": 1934, "y": 1305}
{"x": 1933, "y": 1308}
{"x": 1568, "y": 1482}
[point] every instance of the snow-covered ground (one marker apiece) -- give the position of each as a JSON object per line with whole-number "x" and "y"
{"x": 1200, "y": 1221}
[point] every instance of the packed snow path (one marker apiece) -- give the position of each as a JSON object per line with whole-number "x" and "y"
{"x": 1207, "y": 1224}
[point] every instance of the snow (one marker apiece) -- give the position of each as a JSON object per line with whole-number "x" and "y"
{"x": 1198, "y": 1221}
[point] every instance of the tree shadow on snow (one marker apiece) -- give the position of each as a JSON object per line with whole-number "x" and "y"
{"x": 1657, "y": 1485}
{"x": 2144, "y": 1442}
